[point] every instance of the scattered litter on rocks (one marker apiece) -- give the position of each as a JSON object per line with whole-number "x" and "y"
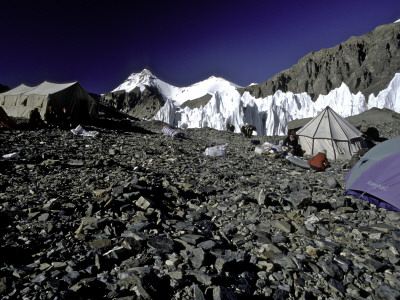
{"x": 215, "y": 151}
{"x": 166, "y": 130}
{"x": 80, "y": 131}
{"x": 14, "y": 155}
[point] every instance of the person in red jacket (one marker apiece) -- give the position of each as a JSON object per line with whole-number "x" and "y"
{"x": 319, "y": 162}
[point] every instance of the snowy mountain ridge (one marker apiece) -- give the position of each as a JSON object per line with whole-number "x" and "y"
{"x": 176, "y": 94}
{"x": 270, "y": 114}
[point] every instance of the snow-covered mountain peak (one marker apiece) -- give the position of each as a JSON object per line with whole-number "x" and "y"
{"x": 141, "y": 79}
{"x": 145, "y": 75}
{"x": 213, "y": 84}
{"x": 176, "y": 94}
{"x": 214, "y": 80}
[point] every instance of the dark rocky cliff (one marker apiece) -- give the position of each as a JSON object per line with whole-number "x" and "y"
{"x": 139, "y": 104}
{"x": 364, "y": 63}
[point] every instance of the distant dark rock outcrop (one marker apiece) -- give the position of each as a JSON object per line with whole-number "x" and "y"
{"x": 139, "y": 104}
{"x": 196, "y": 103}
{"x": 95, "y": 96}
{"x": 364, "y": 63}
{"x": 4, "y": 88}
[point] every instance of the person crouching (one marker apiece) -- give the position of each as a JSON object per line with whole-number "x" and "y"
{"x": 319, "y": 162}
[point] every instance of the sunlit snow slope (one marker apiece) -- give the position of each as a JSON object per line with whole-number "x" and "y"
{"x": 176, "y": 94}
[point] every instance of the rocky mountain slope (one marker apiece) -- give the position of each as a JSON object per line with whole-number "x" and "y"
{"x": 139, "y": 103}
{"x": 364, "y": 63}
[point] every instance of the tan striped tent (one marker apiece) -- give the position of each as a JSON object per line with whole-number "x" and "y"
{"x": 329, "y": 131}
{"x": 20, "y": 101}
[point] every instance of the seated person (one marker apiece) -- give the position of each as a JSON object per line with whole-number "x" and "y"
{"x": 65, "y": 120}
{"x": 292, "y": 143}
{"x": 35, "y": 120}
{"x": 297, "y": 150}
{"x": 230, "y": 127}
{"x": 291, "y": 140}
{"x": 51, "y": 116}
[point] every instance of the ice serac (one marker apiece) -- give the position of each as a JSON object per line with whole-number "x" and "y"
{"x": 271, "y": 114}
{"x": 167, "y": 113}
{"x": 342, "y": 101}
{"x": 387, "y": 98}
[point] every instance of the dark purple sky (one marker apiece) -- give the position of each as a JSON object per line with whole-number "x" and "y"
{"x": 100, "y": 43}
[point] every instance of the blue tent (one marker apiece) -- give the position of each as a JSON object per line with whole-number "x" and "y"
{"x": 376, "y": 176}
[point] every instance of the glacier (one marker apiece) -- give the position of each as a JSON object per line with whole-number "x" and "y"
{"x": 269, "y": 115}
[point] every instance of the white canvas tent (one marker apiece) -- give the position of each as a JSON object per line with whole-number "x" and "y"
{"x": 331, "y": 132}
{"x": 19, "y": 102}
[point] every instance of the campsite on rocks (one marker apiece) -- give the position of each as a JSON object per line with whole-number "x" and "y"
{"x": 136, "y": 214}
{"x": 209, "y": 191}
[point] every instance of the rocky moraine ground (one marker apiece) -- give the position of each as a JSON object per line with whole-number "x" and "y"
{"x": 138, "y": 215}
